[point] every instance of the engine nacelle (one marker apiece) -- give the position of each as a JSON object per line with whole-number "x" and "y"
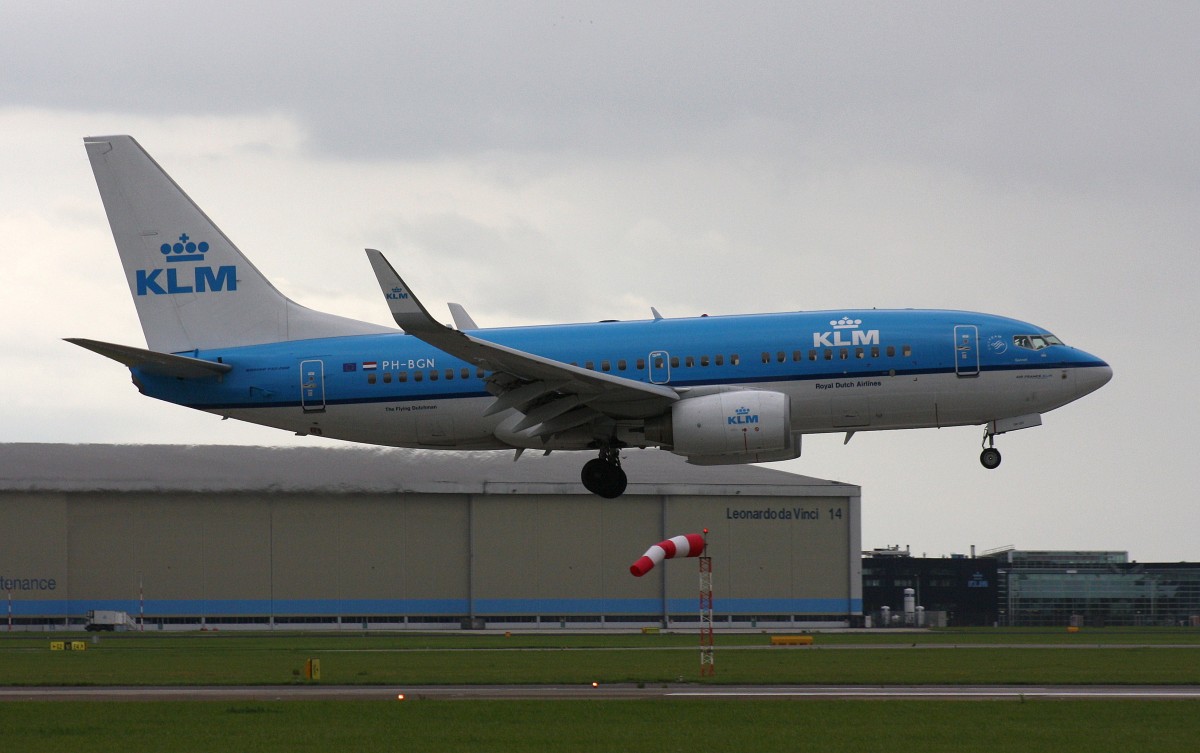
{"x": 745, "y": 423}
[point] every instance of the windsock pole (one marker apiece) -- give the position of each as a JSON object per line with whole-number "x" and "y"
{"x": 707, "y": 668}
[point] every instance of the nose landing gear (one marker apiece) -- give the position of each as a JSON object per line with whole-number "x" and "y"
{"x": 603, "y": 476}
{"x": 990, "y": 457}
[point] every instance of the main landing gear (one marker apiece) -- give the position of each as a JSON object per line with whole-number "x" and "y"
{"x": 990, "y": 457}
{"x": 603, "y": 476}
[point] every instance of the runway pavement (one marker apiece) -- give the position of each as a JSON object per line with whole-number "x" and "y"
{"x": 601, "y": 692}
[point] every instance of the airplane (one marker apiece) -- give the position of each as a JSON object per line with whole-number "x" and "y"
{"x": 714, "y": 389}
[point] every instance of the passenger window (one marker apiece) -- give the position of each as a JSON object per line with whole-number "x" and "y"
{"x": 418, "y": 376}
{"x": 874, "y": 351}
{"x": 703, "y": 360}
{"x": 449, "y": 373}
{"x": 371, "y": 378}
{"x": 605, "y": 366}
{"x": 402, "y": 376}
{"x": 844, "y": 354}
{"x": 674, "y": 362}
{"x": 735, "y": 359}
{"x": 719, "y": 359}
{"x": 690, "y": 361}
{"x": 658, "y": 362}
{"x": 812, "y": 355}
{"x": 766, "y": 357}
{"x": 479, "y": 373}
{"x": 781, "y": 356}
{"x": 797, "y": 355}
{"x": 589, "y": 365}
{"x": 621, "y": 365}
{"x": 891, "y": 351}
{"x": 465, "y": 373}
{"x": 829, "y": 354}
{"x": 387, "y": 377}
{"x": 907, "y": 351}
{"x": 858, "y": 353}
{"x": 641, "y": 364}
{"x": 433, "y": 375}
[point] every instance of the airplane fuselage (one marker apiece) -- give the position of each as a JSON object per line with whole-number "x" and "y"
{"x": 843, "y": 370}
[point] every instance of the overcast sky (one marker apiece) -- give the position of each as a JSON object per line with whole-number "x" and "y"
{"x": 546, "y": 161}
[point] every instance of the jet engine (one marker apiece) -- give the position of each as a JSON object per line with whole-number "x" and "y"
{"x": 738, "y": 426}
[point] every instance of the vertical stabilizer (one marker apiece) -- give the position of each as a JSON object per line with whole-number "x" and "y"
{"x": 192, "y": 287}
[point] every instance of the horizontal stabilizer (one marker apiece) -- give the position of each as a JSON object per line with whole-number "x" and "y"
{"x": 152, "y": 362}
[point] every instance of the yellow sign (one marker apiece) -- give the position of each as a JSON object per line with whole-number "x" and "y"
{"x": 57, "y": 645}
{"x": 312, "y": 669}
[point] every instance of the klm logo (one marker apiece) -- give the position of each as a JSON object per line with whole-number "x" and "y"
{"x": 177, "y": 279}
{"x": 837, "y": 337}
{"x": 396, "y": 294}
{"x": 742, "y": 416}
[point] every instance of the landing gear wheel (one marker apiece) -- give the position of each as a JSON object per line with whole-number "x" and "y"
{"x": 990, "y": 458}
{"x": 604, "y": 478}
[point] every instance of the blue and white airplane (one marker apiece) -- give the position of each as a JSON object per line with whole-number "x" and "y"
{"x": 716, "y": 390}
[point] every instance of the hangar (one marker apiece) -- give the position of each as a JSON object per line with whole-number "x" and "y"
{"x": 227, "y": 536}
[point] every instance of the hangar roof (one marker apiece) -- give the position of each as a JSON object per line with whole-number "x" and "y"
{"x": 233, "y": 468}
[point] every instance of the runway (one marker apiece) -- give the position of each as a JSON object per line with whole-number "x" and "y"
{"x": 601, "y": 692}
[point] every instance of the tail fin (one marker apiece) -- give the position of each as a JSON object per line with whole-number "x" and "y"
{"x": 192, "y": 287}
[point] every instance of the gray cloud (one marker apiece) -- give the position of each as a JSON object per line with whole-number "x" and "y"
{"x": 545, "y": 162}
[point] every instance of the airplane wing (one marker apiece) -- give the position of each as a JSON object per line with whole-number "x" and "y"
{"x": 153, "y": 362}
{"x": 554, "y": 396}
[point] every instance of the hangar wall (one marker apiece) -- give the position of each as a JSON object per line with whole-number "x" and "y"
{"x": 250, "y": 536}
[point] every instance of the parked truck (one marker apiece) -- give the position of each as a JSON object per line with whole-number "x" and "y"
{"x": 109, "y": 620}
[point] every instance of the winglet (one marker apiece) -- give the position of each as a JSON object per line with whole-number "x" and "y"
{"x": 409, "y": 313}
{"x": 462, "y": 319}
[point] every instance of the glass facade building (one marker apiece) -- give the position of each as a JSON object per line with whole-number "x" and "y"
{"x": 1095, "y": 589}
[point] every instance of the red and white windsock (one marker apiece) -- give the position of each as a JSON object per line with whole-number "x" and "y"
{"x": 688, "y": 545}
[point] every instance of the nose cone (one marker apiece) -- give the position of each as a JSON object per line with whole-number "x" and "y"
{"x": 1092, "y": 376}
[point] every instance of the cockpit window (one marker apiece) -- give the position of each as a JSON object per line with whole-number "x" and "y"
{"x": 1035, "y": 342}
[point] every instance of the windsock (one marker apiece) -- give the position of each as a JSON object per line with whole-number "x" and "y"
{"x": 688, "y": 545}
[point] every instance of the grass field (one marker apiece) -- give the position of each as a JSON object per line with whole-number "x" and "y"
{"x": 399, "y": 659}
{"x": 943, "y": 657}
{"x": 500, "y": 726}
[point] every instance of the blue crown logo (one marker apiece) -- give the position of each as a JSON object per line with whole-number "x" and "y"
{"x": 184, "y": 250}
{"x": 845, "y": 323}
{"x": 742, "y": 411}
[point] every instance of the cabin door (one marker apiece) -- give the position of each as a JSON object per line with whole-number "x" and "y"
{"x": 312, "y": 386}
{"x": 966, "y": 350}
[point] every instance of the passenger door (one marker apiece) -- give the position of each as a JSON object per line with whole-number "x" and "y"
{"x": 966, "y": 350}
